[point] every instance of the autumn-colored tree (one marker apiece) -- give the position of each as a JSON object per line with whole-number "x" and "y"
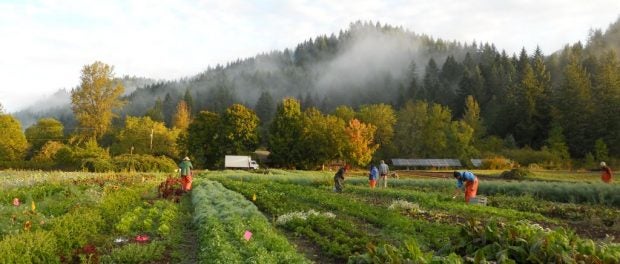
{"x": 324, "y": 138}
{"x": 13, "y": 144}
{"x": 460, "y": 136}
{"x": 94, "y": 100}
{"x": 141, "y": 135}
{"x": 361, "y": 144}
{"x": 182, "y": 117}
{"x": 48, "y": 151}
{"x": 46, "y": 129}
{"x": 472, "y": 118}
{"x": 383, "y": 117}
{"x": 239, "y": 130}
{"x": 345, "y": 113}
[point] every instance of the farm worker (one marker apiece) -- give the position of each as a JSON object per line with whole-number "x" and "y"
{"x": 373, "y": 175}
{"x": 186, "y": 174}
{"x": 384, "y": 170}
{"x": 606, "y": 176}
{"x": 471, "y": 184}
{"x": 339, "y": 179}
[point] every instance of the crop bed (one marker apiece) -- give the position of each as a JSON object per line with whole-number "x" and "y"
{"x": 295, "y": 217}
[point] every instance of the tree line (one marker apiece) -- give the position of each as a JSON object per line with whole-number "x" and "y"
{"x": 466, "y": 101}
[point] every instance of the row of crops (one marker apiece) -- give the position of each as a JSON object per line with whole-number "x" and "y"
{"x": 76, "y": 218}
{"x": 417, "y": 220}
{"x": 295, "y": 217}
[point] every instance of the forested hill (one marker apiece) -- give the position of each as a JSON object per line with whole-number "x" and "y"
{"x": 520, "y": 95}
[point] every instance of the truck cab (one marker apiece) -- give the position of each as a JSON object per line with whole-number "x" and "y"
{"x": 253, "y": 165}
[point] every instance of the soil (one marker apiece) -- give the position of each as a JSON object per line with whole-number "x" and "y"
{"x": 189, "y": 244}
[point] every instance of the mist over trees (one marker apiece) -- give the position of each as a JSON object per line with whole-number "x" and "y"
{"x": 420, "y": 97}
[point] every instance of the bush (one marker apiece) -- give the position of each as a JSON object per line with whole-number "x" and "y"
{"x": 527, "y": 156}
{"x": 516, "y": 174}
{"x": 144, "y": 163}
{"x": 97, "y": 165}
{"x": 75, "y": 229}
{"x": 496, "y": 163}
{"x": 29, "y": 247}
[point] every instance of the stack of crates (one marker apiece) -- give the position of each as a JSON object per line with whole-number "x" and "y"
{"x": 478, "y": 200}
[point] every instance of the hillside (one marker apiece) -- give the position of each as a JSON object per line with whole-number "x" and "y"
{"x": 372, "y": 63}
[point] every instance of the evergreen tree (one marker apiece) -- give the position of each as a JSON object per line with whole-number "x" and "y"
{"x": 472, "y": 84}
{"x": 156, "y": 113}
{"x": 413, "y": 91}
{"x": 189, "y": 101}
{"x": 527, "y": 94}
{"x": 606, "y": 96}
{"x": 432, "y": 86}
{"x": 265, "y": 107}
{"x": 575, "y": 108}
{"x": 451, "y": 73}
{"x": 556, "y": 143}
{"x": 169, "y": 108}
{"x": 542, "y": 115}
{"x": 600, "y": 150}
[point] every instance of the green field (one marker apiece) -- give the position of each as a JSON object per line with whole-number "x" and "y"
{"x": 295, "y": 217}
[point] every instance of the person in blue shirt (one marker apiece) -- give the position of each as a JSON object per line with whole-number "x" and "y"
{"x": 373, "y": 175}
{"x": 470, "y": 182}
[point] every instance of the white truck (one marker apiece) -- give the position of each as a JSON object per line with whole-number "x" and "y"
{"x": 239, "y": 162}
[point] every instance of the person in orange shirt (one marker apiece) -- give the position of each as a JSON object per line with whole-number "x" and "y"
{"x": 471, "y": 184}
{"x": 606, "y": 176}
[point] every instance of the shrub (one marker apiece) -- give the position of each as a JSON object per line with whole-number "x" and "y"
{"x": 516, "y": 174}
{"x": 75, "y": 229}
{"x": 97, "y": 165}
{"x": 527, "y": 156}
{"x": 29, "y": 247}
{"x": 496, "y": 163}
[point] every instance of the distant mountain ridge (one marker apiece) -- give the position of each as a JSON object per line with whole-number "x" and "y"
{"x": 367, "y": 63}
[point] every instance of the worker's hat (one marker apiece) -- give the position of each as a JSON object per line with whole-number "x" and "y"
{"x": 186, "y": 158}
{"x": 603, "y": 164}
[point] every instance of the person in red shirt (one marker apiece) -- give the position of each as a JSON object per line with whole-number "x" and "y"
{"x": 606, "y": 176}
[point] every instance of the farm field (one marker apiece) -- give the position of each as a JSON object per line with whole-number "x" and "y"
{"x": 279, "y": 216}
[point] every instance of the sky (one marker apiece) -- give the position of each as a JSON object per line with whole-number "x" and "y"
{"x": 45, "y": 43}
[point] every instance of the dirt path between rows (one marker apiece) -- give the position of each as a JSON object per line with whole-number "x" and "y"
{"x": 189, "y": 244}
